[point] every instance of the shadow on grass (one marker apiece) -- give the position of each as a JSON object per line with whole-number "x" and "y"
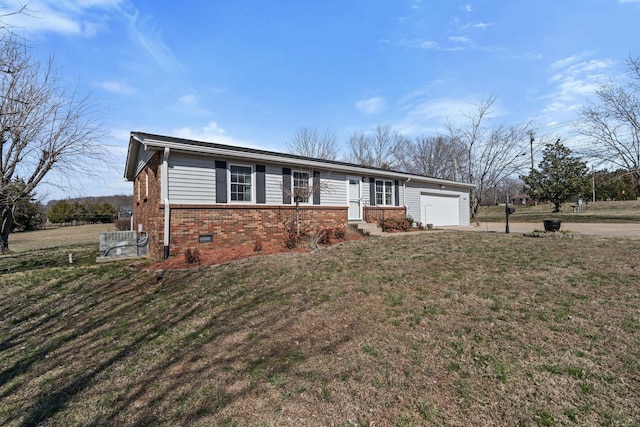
{"x": 70, "y": 333}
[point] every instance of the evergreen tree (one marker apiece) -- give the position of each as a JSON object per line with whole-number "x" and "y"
{"x": 561, "y": 176}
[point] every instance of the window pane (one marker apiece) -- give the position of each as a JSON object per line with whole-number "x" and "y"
{"x": 379, "y": 193}
{"x": 388, "y": 193}
{"x": 301, "y": 186}
{"x": 240, "y": 183}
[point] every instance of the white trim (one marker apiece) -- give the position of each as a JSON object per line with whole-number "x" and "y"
{"x": 253, "y": 184}
{"x": 309, "y": 186}
{"x": 267, "y": 157}
{"x": 358, "y": 179}
{"x": 384, "y": 193}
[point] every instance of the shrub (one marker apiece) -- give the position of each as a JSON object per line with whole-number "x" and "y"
{"x": 192, "y": 255}
{"x": 291, "y": 240}
{"x": 395, "y": 224}
{"x": 324, "y": 236}
{"x": 410, "y": 220}
{"x": 340, "y": 233}
{"x": 123, "y": 224}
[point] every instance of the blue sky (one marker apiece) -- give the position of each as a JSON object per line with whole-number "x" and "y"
{"x": 252, "y": 72}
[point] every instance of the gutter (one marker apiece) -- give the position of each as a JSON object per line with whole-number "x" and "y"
{"x": 167, "y": 204}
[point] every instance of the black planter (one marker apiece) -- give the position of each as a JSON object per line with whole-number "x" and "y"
{"x": 551, "y": 225}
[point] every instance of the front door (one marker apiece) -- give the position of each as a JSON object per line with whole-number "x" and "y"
{"x": 355, "y": 211}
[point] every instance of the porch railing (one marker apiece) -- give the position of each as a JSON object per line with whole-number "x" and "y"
{"x": 375, "y": 214}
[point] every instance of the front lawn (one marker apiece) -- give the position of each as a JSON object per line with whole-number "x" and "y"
{"x": 445, "y": 328}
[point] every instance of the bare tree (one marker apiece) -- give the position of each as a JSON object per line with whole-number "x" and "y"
{"x": 46, "y": 130}
{"x": 491, "y": 153}
{"x": 375, "y": 149}
{"x": 437, "y": 156}
{"x": 303, "y": 186}
{"x": 612, "y": 123}
{"x": 311, "y": 142}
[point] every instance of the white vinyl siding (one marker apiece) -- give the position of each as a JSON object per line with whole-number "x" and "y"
{"x": 334, "y": 190}
{"x": 192, "y": 179}
{"x": 412, "y": 201}
{"x": 273, "y": 182}
{"x": 440, "y": 200}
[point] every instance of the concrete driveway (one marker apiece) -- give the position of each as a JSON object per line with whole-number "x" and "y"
{"x": 593, "y": 229}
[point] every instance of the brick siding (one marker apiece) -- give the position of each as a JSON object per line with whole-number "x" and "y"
{"x": 230, "y": 225}
{"x": 374, "y": 214}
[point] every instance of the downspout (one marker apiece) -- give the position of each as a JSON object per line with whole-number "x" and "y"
{"x": 404, "y": 191}
{"x": 165, "y": 196}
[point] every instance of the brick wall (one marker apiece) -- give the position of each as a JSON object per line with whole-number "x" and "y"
{"x": 236, "y": 225}
{"x": 374, "y": 214}
{"x": 146, "y": 204}
{"x": 230, "y": 225}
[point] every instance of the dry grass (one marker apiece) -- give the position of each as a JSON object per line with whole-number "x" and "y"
{"x": 611, "y": 212}
{"x": 57, "y": 237}
{"x": 429, "y": 328}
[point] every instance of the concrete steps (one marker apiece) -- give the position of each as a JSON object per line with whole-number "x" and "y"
{"x": 367, "y": 228}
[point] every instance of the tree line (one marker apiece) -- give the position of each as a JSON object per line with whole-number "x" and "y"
{"x": 499, "y": 158}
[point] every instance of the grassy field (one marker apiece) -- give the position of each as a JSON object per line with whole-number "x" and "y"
{"x": 612, "y": 212}
{"x": 57, "y": 237}
{"x": 444, "y": 328}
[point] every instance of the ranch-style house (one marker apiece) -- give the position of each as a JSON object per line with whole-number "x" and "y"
{"x": 194, "y": 194}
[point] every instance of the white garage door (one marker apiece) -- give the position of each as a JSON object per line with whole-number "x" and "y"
{"x": 439, "y": 210}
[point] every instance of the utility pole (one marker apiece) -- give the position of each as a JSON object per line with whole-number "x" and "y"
{"x": 531, "y": 139}
{"x": 593, "y": 182}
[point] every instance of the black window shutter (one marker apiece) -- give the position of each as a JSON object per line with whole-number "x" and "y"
{"x": 316, "y": 188}
{"x": 221, "y": 181}
{"x": 396, "y": 184}
{"x": 261, "y": 184}
{"x": 372, "y": 191}
{"x": 286, "y": 186}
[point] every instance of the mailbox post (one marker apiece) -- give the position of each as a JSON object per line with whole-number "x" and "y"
{"x": 508, "y": 210}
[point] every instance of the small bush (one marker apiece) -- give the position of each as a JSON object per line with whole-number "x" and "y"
{"x": 410, "y": 220}
{"x": 123, "y": 224}
{"x": 340, "y": 233}
{"x": 395, "y": 224}
{"x": 291, "y": 240}
{"x": 324, "y": 236}
{"x": 192, "y": 255}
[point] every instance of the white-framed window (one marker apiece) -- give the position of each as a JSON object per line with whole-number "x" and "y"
{"x": 240, "y": 183}
{"x": 301, "y": 188}
{"x": 384, "y": 193}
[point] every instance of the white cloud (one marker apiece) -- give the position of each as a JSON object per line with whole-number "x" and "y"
{"x": 482, "y": 25}
{"x": 83, "y": 18}
{"x": 460, "y": 39}
{"x": 372, "y": 105}
{"x": 427, "y": 115}
{"x": 574, "y": 79}
{"x": 189, "y": 99}
{"x": 211, "y": 132}
{"x": 117, "y": 87}
{"x": 151, "y": 41}
{"x": 467, "y": 8}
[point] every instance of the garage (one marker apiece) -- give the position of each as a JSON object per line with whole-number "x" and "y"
{"x": 440, "y": 209}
